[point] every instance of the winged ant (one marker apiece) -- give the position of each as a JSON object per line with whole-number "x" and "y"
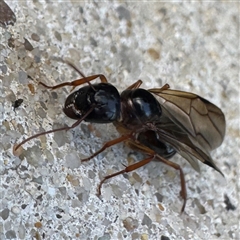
{"x": 159, "y": 122}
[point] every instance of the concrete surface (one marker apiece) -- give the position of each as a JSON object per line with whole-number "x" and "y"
{"x": 47, "y": 193}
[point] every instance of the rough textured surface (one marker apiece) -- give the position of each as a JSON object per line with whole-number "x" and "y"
{"x": 47, "y": 193}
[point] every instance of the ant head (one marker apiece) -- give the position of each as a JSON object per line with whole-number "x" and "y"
{"x": 102, "y": 97}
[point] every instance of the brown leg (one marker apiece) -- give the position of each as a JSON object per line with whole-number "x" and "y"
{"x": 135, "y": 85}
{"x": 84, "y": 79}
{"x": 159, "y": 90}
{"x": 77, "y": 82}
{"x": 127, "y": 169}
{"x": 183, "y": 192}
{"x": 107, "y": 145}
{"x": 137, "y": 146}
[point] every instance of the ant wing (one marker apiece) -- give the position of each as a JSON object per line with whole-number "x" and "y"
{"x": 196, "y": 125}
{"x": 182, "y": 143}
{"x": 201, "y": 120}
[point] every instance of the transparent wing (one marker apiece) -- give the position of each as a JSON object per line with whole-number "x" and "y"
{"x": 202, "y": 120}
{"x": 197, "y": 126}
{"x": 185, "y": 147}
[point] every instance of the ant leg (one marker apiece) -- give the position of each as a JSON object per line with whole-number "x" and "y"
{"x": 139, "y": 147}
{"x": 127, "y": 169}
{"x": 134, "y": 144}
{"x": 77, "y": 82}
{"x": 135, "y": 85}
{"x": 107, "y": 145}
{"x": 159, "y": 90}
{"x": 183, "y": 192}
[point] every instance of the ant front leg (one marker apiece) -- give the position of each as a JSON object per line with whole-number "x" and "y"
{"x": 77, "y": 82}
{"x": 126, "y": 170}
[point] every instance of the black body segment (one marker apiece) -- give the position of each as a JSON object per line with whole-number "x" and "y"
{"x": 103, "y": 96}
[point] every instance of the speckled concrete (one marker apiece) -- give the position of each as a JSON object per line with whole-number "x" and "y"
{"x": 46, "y": 192}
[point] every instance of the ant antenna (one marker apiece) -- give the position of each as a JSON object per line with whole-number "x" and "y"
{"x": 56, "y": 130}
{"x": 75, "y": 68}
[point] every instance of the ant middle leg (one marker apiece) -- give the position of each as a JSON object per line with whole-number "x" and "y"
{"x": 126, "y": 170}
{"x": 107, "y": 145}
